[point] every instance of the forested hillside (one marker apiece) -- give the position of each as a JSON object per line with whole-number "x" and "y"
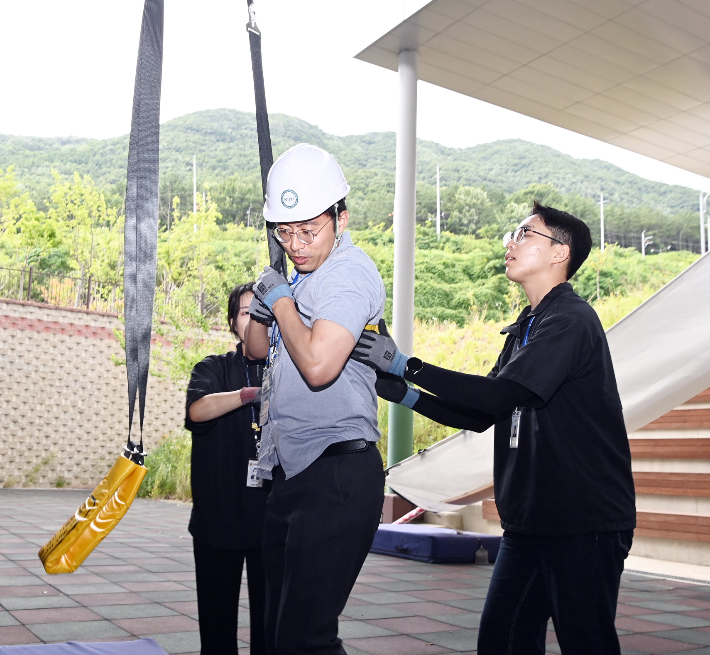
{"x": 478, "y": 183}
{"x": 200, "y": 257}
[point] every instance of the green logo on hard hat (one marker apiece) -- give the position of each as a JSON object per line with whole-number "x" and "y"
{"x": 289, "y": 199}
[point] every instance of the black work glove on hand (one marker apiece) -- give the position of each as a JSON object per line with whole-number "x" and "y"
{"x": 260, "y": 312}
{"x": 379, "y": 351}
{"x": 390, "y": 387}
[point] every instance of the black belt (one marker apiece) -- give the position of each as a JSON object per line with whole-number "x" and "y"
{"x": 345, "y": 447}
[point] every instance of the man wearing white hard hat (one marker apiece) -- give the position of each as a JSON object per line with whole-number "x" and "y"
{"x": 319, "y": 408}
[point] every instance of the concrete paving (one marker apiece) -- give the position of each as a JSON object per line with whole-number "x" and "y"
{"x": 140, "y": 583}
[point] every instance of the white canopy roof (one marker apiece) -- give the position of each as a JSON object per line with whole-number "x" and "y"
{"x": 633, "y": 73}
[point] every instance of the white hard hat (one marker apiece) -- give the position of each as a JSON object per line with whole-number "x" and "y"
{"x": 303, "y": 183}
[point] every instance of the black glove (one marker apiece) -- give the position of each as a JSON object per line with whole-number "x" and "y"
{"x": 396, "y": 390}
{"x": 390, "y": 387}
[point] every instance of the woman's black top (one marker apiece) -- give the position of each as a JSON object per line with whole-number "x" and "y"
{"x": 226, "y": 513}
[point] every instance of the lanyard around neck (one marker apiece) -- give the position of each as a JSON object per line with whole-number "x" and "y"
{"x": 276, "y": 333}
{"x": 527, "y": 333}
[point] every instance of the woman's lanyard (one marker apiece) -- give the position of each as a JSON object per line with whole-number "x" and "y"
{"x": 254, "y": 423}
{"x": 515, "y": 419}
{"x": 276, "y": 332}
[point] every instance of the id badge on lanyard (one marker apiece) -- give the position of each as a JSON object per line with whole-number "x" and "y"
{"x": 515, "y": 418}
{"x": 515, "y": 428}
{"x": 253, "y": 479}
{"x": 265, "y": 393}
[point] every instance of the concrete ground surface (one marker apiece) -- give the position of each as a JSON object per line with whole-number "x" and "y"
{"x": 140, "y": 583}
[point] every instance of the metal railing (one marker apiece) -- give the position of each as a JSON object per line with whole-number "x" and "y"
{"x": 660, "y": 244}
{"x": 52, "y": 288}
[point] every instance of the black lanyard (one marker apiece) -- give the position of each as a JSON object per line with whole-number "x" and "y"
{"x": 254, "y": 423}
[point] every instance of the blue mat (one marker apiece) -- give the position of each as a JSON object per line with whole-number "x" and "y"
{"x": 137, "y": 647}
{"x": 427, "y": 543}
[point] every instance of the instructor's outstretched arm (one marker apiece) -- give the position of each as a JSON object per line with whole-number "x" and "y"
{"x": 396, "y": 390}
{"x": 490, "y": 395}
{"x": 495, "y": 396}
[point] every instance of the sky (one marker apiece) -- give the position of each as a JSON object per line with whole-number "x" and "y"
{"x": 69, "y": 68}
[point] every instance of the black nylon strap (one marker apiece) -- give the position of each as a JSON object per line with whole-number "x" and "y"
{"x": 266, "y": 155}
{"x": 141, "y": 229}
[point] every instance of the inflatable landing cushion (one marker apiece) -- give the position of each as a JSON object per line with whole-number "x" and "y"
{"x": 425, "y": 543}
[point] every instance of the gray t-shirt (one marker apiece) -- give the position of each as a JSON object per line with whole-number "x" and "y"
{"x": 348, "y": 290}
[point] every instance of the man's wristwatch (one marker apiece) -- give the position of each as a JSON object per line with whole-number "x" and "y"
{"x": 414, "y": 365}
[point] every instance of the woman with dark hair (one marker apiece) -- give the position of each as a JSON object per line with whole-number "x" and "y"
{"x": 228, "y": 498}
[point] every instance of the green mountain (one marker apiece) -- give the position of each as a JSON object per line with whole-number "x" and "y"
{"x": 225, "y": 144}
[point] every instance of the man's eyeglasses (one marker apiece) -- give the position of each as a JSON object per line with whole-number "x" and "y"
{"x": 519, "y": 234}
{"x": 304, "y": 236}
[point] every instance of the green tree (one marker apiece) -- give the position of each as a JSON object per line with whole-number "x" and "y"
{"x": 471, "y": 211}
{"x": 28, "y": 236}
{"x": 88, "y": 227}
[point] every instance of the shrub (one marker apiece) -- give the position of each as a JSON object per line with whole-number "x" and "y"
{"x": 169, "y": 468}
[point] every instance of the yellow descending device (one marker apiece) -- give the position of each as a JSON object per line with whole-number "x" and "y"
{"x": 101, "y": 511}
{"x": 110, "y": 501}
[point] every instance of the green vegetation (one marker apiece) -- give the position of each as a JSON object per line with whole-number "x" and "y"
{"x": 169, "y": 468}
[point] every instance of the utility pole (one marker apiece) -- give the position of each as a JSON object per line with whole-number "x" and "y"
{"x": 703, "y": 207}
{"x": 194, "y": 184}
{"x": 645, "y": 241}
{"x": 438, "y": 204}
{"x": 601, "y": 206}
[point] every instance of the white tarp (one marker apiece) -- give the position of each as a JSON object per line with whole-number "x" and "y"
{"x": 661, "y": 355}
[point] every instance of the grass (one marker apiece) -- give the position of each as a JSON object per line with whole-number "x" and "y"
{"x": 169, "y": 468}
{"x": 32, "y": 475}
{"x": 613, "y": 308}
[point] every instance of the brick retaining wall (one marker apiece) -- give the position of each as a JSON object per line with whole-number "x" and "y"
{"x": 63, "y": 402}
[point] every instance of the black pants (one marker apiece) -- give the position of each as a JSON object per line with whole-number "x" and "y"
{"x": 319, "y": 528}
{"x": 219, "y": 576}
{"x": 574, "y": 580}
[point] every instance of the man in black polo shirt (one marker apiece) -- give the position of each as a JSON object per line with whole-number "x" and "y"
{"x": 562, "y": 465}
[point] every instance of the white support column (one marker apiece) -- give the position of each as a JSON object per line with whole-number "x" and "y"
{"x": 405, "y": 198}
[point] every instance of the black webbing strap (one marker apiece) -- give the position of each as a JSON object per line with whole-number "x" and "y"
{"x": 141, "y": 230}
{"x": 266, "y": 155}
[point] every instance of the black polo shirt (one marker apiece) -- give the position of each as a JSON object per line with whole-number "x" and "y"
{"x": 571, "y": 471}
{"x": 226, "y": 514}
